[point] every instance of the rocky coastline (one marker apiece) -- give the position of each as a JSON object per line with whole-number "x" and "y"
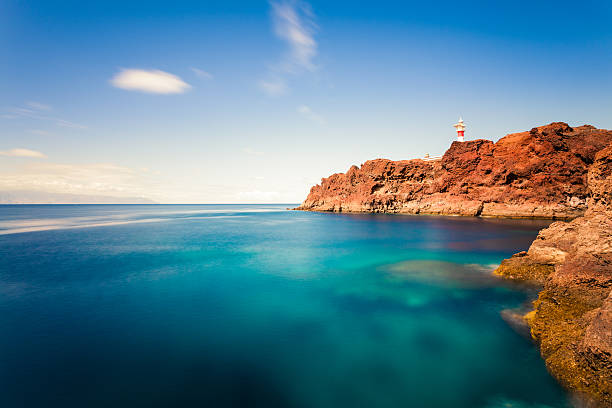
{"x": 536, "y": 174}
{"x": 572, "y": 317}
{"x": 553, "y": 171}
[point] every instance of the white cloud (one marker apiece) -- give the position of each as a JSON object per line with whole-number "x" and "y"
{"x": 294, "y": 24}
{"x": 253, "y": 152}
{"x": 39, "y": 132}
{"x": 275, "y": 87}
{"x": 311, "y": 115}
{"x": 107, "y": 179}
{"x": 239, "y": 182}
{"x": 200, "y": 73}
{"x": 154, "y": 81}
{"x": 21, "y": 152}
{"x": 34, "y": 114}
{"x": 68, "y": 124}
{"x": 38, "y": 106}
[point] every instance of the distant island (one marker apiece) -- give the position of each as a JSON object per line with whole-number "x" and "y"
{"x": 553, "y": 171}
{"x": 41, "y": 197}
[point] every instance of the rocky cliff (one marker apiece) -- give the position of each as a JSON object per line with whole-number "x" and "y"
{"x": 540, "y": 173}
{"x": 572, "y": 317}
{"x": 553, "y": 171}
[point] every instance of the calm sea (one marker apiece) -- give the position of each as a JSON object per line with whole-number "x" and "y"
{"x": 256, "y": 306}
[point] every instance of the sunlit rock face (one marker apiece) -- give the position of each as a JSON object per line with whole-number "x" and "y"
{"x": 539, "y": 173}
{"x": 572, "y": 318}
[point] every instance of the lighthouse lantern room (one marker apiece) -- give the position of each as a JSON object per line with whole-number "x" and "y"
{"x": 460, "y": 126}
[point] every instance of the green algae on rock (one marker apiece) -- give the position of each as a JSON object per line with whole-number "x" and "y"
{"x": 572, "y": 317}
{"x": 520, "y": 268}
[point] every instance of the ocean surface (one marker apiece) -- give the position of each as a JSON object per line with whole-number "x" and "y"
{"x": 256, "y": 306}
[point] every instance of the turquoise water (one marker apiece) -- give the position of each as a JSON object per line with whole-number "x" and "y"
{"x": 255, "y": 306}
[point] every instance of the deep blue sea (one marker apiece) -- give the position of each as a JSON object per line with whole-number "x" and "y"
{"x": 256, "y": 306}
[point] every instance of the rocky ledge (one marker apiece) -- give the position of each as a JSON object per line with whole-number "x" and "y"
{"x": 572, "y": 317}
{"x": 540, "y": 173}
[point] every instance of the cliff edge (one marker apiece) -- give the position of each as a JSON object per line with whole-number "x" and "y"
{"x": 572, "y": 317}
{"x": 539, "y": 173}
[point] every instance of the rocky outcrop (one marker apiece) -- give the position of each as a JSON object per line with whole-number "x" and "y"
{"x": 540, "y": 173}
{"x": 552, "y": 171}
{"x": 572, "y": 317}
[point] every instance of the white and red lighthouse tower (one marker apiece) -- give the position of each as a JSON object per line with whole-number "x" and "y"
{"x": 460, "y": 126}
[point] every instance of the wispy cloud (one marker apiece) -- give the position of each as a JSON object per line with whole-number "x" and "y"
{"x": 68, "y": 124}
{"x": 200, "y": 73}
{"x": 21, "y": 152}
{"x": 274, "y": 87}
{"x": 74, "y": 179}
{"x": 35, "y": 111}
{"x": 38, "y": 106}
{"x": 113, "y": 180}
{"x": 153, "y": 81}
{"x": 39, "y": 132}
{"x": 252, "y": 152}
{"x": 293, "y": 23}
{"x": 309, "y": 114}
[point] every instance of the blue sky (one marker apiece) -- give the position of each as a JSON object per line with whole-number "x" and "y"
{"x": 255, "y": 101}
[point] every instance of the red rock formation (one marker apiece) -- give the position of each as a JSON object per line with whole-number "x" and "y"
{"x": 540, "y": 173}
{"x": 552, "y": 171}
{"x": 572, "y": 319}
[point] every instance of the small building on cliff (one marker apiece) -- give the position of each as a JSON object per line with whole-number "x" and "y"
{"x": 460, "y": 126}
{"x": 427, "y": 157}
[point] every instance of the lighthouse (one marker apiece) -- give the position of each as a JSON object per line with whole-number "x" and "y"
{"x": 460, "y": 129}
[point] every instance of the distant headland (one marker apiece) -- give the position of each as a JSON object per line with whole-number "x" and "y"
{"x": 41, "y": 197}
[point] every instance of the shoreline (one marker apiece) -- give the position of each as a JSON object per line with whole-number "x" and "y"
{"x": 571, "y": 319}
{"x": 552, "y": 172}
{"x": 500, "y": 216}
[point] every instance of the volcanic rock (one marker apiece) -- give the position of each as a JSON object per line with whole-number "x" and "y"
{"x": 553, "y": 171}
{"x": 572, "y": 317}
{"x": 540, "y": 173}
